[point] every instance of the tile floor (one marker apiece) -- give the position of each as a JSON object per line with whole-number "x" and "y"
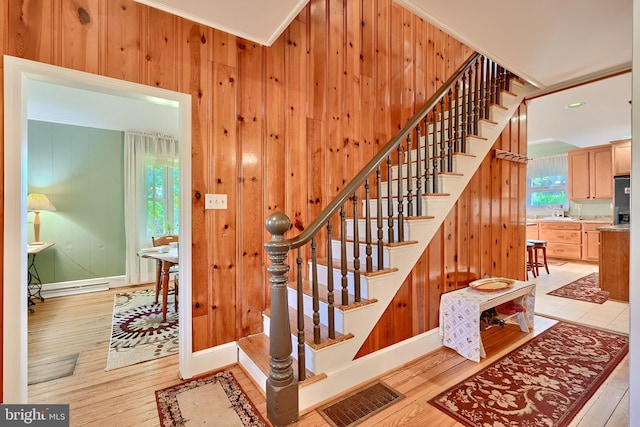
{"x": 611, "y": 315}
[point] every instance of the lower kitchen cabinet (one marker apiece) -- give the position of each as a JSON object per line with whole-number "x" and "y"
{"x": 564, "y": 239}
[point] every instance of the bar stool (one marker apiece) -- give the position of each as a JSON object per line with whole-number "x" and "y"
{"x": 539, "y": 246}
{"x": 530, "y": 262}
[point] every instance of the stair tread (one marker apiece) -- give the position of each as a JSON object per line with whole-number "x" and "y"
{"x": 256, "y": 347}
{"x": 323, "y": 295}
{"x": 308, "y": 330}
{"x": 336, "y": 263}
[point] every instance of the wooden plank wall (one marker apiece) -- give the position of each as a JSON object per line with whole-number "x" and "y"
{"x": 279, "y": 128}
{"x": 483, "y": 236}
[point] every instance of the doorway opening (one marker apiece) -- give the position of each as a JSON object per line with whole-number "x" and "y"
{"x": 18, "y": 74}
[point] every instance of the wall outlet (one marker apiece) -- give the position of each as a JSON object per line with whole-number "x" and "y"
{"x": 578, "y": 205}
{"x": 215, "y": 201}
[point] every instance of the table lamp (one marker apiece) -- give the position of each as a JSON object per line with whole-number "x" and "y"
{"x": 36, "y": 203}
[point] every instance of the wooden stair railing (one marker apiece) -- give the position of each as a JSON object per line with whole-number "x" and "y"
{"x": 439, "y": 130}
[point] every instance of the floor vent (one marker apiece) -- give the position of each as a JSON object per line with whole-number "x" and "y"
{"x": 356, "y": 407}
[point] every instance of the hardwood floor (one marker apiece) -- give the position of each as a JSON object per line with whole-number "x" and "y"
{"x": 125, "y": 397}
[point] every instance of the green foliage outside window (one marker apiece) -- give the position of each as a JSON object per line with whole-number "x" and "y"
{"x": 548, "y": 190}
{"x": 163, "y": 200}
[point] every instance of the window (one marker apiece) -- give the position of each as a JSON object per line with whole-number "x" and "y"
{"x": 163, "y": 199}
{"x": 547, "y": 181}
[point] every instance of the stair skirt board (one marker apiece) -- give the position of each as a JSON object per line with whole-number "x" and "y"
{"x": 337, "y": 360}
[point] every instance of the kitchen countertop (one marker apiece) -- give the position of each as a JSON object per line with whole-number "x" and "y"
{"x": 616, "y": 227}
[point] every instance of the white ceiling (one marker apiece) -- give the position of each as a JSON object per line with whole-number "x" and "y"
{"x": 552, "y": 44}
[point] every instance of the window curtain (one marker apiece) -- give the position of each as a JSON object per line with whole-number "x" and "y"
{"x": 556, "y": 164}
{"x": 140, "y": 149}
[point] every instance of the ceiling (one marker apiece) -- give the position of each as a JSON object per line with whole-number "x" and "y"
{"x": 552, "y": 44}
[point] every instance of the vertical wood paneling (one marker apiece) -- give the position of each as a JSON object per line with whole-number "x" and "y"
{"x": 122, "y": 43}
{"x": 382, "y": 118}
{"x": 159, "y": 62}
{"x": 223, "y": 232}
{"x": 251, "y": 281}
{"x": 408, "y": 75}
{"x": 352, "y": 97}
{"x": 396, "y": 66}
{"x": 335, "y": 87}
{"x": 31, "y": 38}
{"x": 296, "y": 177}
{"x": 317, "y": 86}
{"x": 80, "y": 35}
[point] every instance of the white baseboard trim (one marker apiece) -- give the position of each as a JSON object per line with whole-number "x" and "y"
{"x": 209, "y": 360}
{"x": 75, "y": 287}
{"x": 367, "y": 368}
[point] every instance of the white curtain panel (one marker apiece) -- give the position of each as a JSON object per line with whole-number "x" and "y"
{"x": 141, "y": 148}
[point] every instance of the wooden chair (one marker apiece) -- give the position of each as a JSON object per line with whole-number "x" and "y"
{"x": 163, "y": 241}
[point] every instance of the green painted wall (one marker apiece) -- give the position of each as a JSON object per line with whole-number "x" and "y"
{"x": 81, "y": 170}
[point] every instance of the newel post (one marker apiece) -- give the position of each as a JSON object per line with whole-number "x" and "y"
{"x": 281, "y": 387}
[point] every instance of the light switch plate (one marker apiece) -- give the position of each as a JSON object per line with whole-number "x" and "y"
{"x": 215, "y": 201}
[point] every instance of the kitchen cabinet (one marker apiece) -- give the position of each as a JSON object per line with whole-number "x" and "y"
{"x": 532, "y": 231}
{"x": 564, "y": 239}
{"x": 590, "y": 173}
{"x": 621, "y": 154}
{"x": 591, "y": 241}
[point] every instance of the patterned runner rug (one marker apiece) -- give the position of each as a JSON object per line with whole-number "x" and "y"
{"x": 584, "y": 289}
{"x": 544, "y": 382}
{"x": 215, "y": 400}
{"x": 138, "y": 333}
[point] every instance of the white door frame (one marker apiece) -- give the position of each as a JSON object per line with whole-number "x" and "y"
{"x": 17, "y": 73}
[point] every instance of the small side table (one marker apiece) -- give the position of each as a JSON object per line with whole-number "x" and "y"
{"x": 34, "y": 284}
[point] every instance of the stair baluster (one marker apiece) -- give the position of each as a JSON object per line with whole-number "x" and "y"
{"x": 410, "y": 175}
{"x": 367, "y": 226}
{"x": 400, "y": 192}
{"x": 450, "y": 137}
{"x": 464, "y": 119}
{"x": 476, "y": 98}
{"x": 418, "y": 172}
{"x": 390, "y": 231}
{"x": 302, "y": 371}
{"x": 314, "y": 293}
{"x": 343, "y": 257}
{"x": 356, "y": 253}
{"x": 331, "y": 323}
{"x": 434, "y": 149}
{"x": 379, "y": 217}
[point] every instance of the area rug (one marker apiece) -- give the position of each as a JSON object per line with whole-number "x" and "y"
{"x": 584, "y": 289}
{"x": 138, "y": 333}
{"x": 360, "y": 405}
{"x": 544, "y": 382}
{"x": 51, "y": 369}
{"x": 215, "y": 400}
{"x": 556, "y": 262}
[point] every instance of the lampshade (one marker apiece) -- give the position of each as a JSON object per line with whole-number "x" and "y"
{"x": 39, "y": 202}
{"x": 36, "y": 203}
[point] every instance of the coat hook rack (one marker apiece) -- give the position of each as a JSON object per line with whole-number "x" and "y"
{"x": 513, "y": 157}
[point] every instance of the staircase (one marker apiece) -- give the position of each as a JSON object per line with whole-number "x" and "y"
{"x": 354, "y": 257}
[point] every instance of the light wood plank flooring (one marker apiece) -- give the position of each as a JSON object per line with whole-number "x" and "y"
{"x": 125, "y": 397}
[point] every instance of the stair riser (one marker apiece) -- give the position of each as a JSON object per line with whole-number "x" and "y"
{"x": 362, "y": 254}
{"x": 443, "y": 183}
{"x": 337, "y": 280}
{"x": 362, "y": 223}
{"x": 323, "y": 308}
{"x": 430, "y": 206}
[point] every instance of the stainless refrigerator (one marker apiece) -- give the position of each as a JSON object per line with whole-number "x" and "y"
{"x": 621, "y": 198}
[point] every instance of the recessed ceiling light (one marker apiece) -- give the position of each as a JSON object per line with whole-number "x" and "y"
{"x": 575, "y": 105}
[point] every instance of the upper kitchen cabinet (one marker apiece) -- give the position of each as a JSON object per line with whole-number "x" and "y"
{"x": 590, "y": 173}
{"x": 621, "y": 152}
